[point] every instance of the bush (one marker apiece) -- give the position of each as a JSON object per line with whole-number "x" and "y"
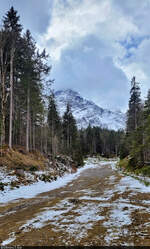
{"x": 1, "y": 186}
{"x": 33, "y": 168}
{"x": 132, "y": 163}
{"x": 46, "y": 178}
{"x": 123, "y": 163}
{"x": 78, "y": 159}
{"x": 145, "y": 171}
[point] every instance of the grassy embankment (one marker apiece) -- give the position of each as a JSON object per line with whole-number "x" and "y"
{"x": 19, "y": 167}
{"x": 18, "y": 158}
{"x": 136, "y": 172}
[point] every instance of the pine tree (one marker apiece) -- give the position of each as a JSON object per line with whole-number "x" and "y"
{"x": 54, "y": 124}
{"x": 134, "y": 135}
{"x": 69, "y": 130}
{"x": 147, "y": 106}
{"x": 32, "y": 74}
{"x": 22, "y": 78}
{"x": 28, "y": 75}
{"x": 134, "y": 111}
{"x": 13, "y": 28}
{"x": 146, "y": 124}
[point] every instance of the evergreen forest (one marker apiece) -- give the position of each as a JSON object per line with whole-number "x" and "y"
{"x": 28, "y": 111}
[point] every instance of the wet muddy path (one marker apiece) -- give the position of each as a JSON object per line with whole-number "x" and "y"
{"x": 99, "y": 207}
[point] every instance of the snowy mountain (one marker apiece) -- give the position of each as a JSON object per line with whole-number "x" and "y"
{"x": 87, "y": 112}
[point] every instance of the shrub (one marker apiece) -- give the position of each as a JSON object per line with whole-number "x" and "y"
{"x": 123, "y": 163}
{"x": 1, "y": 186}
{"x": 33, "y": 168}
{"x": 45, "y": 178}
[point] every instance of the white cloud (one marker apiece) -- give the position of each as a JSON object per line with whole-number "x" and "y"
{"x": 110, "y": 22}
{"x": 78, "y": 19}
{"x": 138, "y": 64}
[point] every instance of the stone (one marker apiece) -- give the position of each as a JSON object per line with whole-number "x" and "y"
{"x": 20, "y": 172}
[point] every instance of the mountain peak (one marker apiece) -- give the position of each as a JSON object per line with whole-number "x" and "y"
{"x": 87, "y": 112}
{"x": 67, "y": 92}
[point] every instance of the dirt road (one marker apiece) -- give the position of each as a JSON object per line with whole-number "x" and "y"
{"x": 99, "y": 207}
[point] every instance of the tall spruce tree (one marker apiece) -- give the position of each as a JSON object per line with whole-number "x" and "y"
{"x": 134, "y": 134}
{"x": 134, "y": 111}
{"x": 146, "y": 124}
{"x": 69, "y": 130}
{"x": 147, "y": 106}
{"x": 54, "y": 124}
{"x": 13, "y": 28}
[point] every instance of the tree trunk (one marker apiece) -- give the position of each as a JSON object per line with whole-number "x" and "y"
{"x": 20, "y": 129}
{"x": 4, "y": 94}
{"x": 33, "y": 135}
{"x": 11, "y": 98}
{"x": 45, "y": 138}
{"x": 3, "y": 111}
{"x": 52, "y": 140}
{"x": 30, "y": 136}
{"x": 28, "y": 120}
{"x": 41, "y": 139}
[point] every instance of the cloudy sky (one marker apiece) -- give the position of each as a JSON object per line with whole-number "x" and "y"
{"x": 96, "y": 46}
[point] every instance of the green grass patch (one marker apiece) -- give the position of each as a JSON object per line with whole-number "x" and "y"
{"x": 145, "y": 171}
{"x": 123, "y": 163}
{"x": 128, "y": 170}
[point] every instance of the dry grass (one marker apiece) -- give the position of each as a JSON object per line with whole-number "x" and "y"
{"x": 17, "y": 157}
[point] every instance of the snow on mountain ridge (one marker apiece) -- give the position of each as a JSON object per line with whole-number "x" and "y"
{"x": 87, "y": 112}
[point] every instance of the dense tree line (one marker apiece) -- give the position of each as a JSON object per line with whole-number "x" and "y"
{"x": 25, "y": 118}
{"x": 22, "y": 72}
{"x": 28, "y": 113}
{"x": 97, "y": 140}
{"x": 136, "y": 143}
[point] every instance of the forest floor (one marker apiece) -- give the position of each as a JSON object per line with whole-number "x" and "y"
{"x": 97, "y": 205}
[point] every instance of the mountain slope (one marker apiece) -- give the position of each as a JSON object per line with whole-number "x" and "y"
{"x": 87, "y": 112}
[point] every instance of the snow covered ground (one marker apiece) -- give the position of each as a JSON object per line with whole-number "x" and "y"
{"x": 115, "y": 207}
{"x": 32, "y": 190}
{"x": 4, "y": 177}
{"x": 9, "y": 240}
{"x": 130, "y": 183}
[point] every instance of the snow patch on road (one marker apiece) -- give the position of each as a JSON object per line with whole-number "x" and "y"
{"x": 130, "y": 183}
{"x": 83, "y": 219}
{"x": 48, "y": 216}
{"x": 90, "y": 198}
{"x": 76, "y": 224}
{"x": 119, "y": 219}
{"x": 9, "y": 240}
{"x": 88, "y": 213}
